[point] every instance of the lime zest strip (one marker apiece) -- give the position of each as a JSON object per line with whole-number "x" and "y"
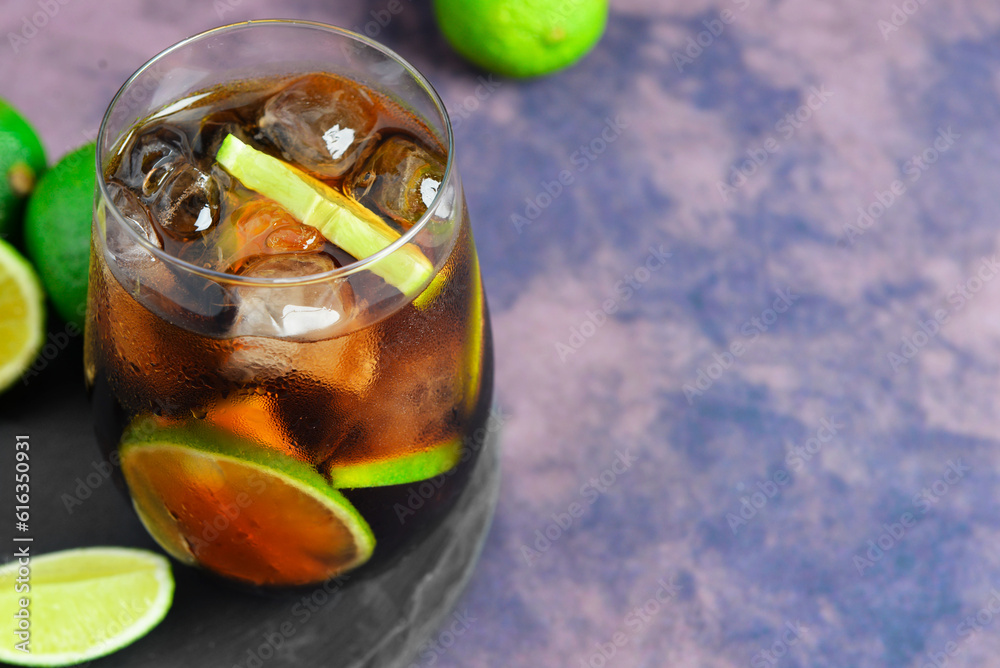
{"x": 342, "y": 221}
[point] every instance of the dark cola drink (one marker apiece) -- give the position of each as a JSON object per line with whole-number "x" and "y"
{"x": 287, "y": 344}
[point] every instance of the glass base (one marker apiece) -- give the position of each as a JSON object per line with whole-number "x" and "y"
{"x": 383, "y": 622}
{"x": 379, "y": 621}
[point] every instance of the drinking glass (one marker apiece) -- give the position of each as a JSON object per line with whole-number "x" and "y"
{"x": 283, "y": 430}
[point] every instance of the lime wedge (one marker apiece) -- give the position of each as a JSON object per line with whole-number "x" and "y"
{"x": 343, "y": 221}
{"x": 83, "y": 603}
{"x": 22, "y": 315}
{"x": 412, "y": 467}
{"x": 240, "y": 510}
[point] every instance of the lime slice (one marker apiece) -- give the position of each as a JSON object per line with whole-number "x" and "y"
{"x": 22, "y": 315}
{"x": 412, "y": 467}
{"x": 83, "y": 604}
{"x": 343, "y": 221}
{"x": 238, "y": 509}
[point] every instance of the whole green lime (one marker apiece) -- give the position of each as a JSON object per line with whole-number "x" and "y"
{"x": 57, "y": 230}
{"x": 22, "y": 161}
{"x": 522, "y": 38}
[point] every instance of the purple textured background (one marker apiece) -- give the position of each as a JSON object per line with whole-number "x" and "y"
{"x": 915, "y": 447}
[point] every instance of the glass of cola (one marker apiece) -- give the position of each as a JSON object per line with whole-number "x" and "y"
{"x": 287, "y": 345}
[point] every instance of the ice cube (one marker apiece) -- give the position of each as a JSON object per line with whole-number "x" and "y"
{"x": 259, "y": 227}
{"x": 320, "y": 123}
{"x": 186, "y": 299}
{"x": 185, "y": 201}
{"x": 135, "y": 215}
{"x": 213, "y": 129}
{"x": 399, "y": 179}
{"x": 150, "y": 148}
{"x": 303, "y": 311}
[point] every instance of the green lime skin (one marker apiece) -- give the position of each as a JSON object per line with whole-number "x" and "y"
{"x": 57, "y": 231}
{"x": 22, "y": 162}
{"x": 522, "y": 38}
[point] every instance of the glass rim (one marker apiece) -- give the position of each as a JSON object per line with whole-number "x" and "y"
{"x": 348, "y": 269}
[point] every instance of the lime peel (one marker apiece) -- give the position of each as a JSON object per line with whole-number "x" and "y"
{"x": 22, "y": 161}
{"x": 57, "y": 230}
{"x": 474, "y": 346}
{"x": 342, "y": 221}
{"x": 522, "y": 38}
{"x": 413, "y": 467}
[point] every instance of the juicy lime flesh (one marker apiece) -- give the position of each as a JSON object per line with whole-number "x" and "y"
{"x": 85, "y": 603}
{"x": 22, "y": 315}
{"x": 242, "y": 520}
